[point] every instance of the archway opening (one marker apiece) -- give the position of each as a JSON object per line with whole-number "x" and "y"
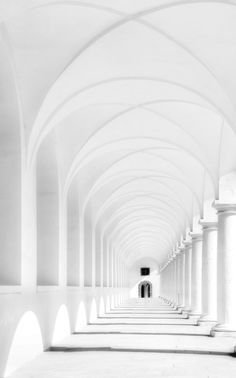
{"x": 145, "y": 289}
{"x": 101, "y": 307}
{"x": 27, "y": 343}
{"x": 62, "y": 325}
{"x": 81, "y": 320}
{"x": 93, "y": 311}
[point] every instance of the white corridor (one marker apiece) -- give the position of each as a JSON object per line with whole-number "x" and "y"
{"x": 117, "y": 188}
{"x": 142, "y": 338}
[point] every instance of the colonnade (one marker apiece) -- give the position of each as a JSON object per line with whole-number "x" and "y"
{"x": 200, "y": 275}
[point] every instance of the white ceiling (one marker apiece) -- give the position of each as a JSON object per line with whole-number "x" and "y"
{"x": 140, "y": 96}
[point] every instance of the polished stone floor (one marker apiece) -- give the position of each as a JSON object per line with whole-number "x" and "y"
{"x": 143, "y": 338}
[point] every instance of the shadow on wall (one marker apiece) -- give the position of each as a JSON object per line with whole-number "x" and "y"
{"x": 108, "y": 305}
{"x": 81, "y": 319}
{"x": 62, "y": 325}
{"x": 101, "y": 307}
{"x": 112, "y": 301}
{"x": 27, "y": 343}
{"x": 93, "y": 311}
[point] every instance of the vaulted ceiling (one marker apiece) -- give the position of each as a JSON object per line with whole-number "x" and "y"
{"x": 139, "y": 97}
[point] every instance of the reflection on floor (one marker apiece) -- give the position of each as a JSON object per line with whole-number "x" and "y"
{"x": 143, "y": 338}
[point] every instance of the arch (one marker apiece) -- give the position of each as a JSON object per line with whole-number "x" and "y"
{"x": 81, "y": 318}
{"x": 108, "y": 305}
{"x": 112, "y": 301}
{"x": 93, "y": 311}
{"x": 145, "y": 289}
{"x": 27, "y": 343}
{"x": 101, "y": 307}
{"x": 62, "y": 325}
{"x": 116, "y": 300}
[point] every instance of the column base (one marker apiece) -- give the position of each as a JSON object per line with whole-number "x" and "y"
{"x": 207, "y": 320}
{"x": 224, "y": 330}
{"x": 194, "y": 316}
{"x": 180, "y": 309}
{"x": 186, "y": 311}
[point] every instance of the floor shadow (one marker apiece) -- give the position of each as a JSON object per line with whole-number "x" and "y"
{"x": 143, "y": 317}
{"x": 143, "y": 333}
{"x": 150, "y": 350}
{"x": 142, "y": 324}
{"x": 144, "y": 313}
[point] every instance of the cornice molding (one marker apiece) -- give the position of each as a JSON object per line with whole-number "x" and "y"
{"x": 208, "y": 225}
{"x": 196, "y": 236}
{"x": 224, "y": 207}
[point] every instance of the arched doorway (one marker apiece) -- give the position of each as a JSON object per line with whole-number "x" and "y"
{"x": 145, "y": 289}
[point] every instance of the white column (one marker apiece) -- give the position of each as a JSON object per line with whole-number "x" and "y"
{"x": 181, "y": 278}
{"x": 172, "y": 282}
{"x": 81, "y": 252}
{"x": 196, "y": 290}
{"x": 178, "y": 277}
{"x": 226, "y": 270}
{"x": 175, "y": 279}
{"x": 209, "y": 273}
{"x": 188, "y": 268}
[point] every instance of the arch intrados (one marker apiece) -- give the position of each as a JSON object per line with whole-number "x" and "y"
{"x": 129, "y": 219}
{"x": 143, "y": 234}
{"x": 141, "y": 249}
{"x": 141, "y": 245}
{"x": 153, "y": 176}
{"x": 128, "y": 79}
{"x": 130, "y": 18}
{"x": 148, "y": 225}
{"x": 149, "y": 177}
{"x": 140, "y": 207}
{"x": 147, "y": 151}
{"x": 141, "y": 203}
{"x": 111, "y": 199}
{"x": 123, "y": 184}
{"x": 133, "y": 221}
{"x": 148, "y": 235}
{"x": 133, "y": 261}
{"x": 137, "y": 194}
{"x": 133, "y": 209}
{"x": 142, "y": 105}
{"x": 71, "y": 175}
{"x": 157, "y": 245}
{"x": 160, "y": 216}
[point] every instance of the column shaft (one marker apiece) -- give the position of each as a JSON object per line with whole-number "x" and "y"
{"x": 196, "y": 292}
{"x": 226, "y": 270}
{"x": 188, "y": 268}
{"x": 209, "y": 273}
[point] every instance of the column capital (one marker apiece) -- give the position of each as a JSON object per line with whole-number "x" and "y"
{"x": 179, "y": 250}
{"x": 208, "y": 225}
{"x": 196, "y": 236}
{"x": 174, "y": 255}
{"x": 222, "y": 207}
{"x": 187, "y": 244}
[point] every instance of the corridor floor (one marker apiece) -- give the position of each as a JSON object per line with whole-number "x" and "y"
{"x": 143, "y": 338}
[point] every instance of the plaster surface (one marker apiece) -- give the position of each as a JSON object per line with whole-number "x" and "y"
{"x": 130, "y": 349}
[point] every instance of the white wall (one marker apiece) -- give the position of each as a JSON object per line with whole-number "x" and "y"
{"x": 135, "y": 278}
